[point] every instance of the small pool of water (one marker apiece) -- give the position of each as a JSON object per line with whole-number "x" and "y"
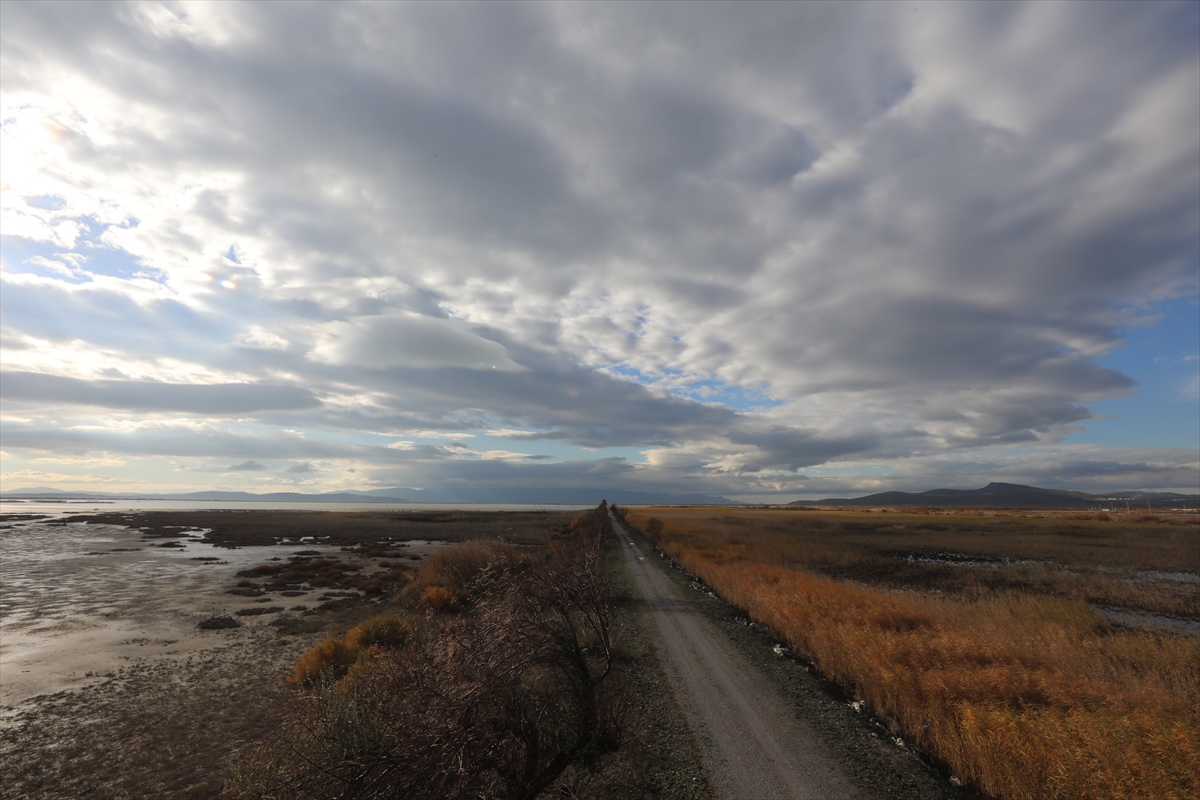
{"x": 1127, "y": 618}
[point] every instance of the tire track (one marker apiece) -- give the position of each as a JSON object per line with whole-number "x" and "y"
{"x": 757, "y": 747}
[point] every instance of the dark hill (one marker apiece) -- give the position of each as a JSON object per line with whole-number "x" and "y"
{"x": 1013, "y": 495}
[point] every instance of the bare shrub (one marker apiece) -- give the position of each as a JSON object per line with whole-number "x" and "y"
{"x": 493, "y": 703}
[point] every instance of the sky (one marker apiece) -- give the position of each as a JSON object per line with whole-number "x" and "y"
{"x": 764, "y": 251}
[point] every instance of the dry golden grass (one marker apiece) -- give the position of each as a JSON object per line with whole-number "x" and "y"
{"x": 330, "y": 659}
{"x": 438, "y": 598}
{"x": 444, "y": 579}
{"x": 335, "y": 656}
{"x": 1022, "y": 690}
{"x": 1130, "y": 563}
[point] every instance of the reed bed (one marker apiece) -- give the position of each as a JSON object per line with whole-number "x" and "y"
{"x": 1020, "y": 693}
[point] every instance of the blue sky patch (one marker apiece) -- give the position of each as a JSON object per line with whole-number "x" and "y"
{"x": 708, "y": 390}
{"x": 1164, "y": 359}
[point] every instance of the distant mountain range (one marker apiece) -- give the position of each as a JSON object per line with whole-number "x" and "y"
{"x": 398, "y": 495}
{"x": 1014, "y": 495}
{"x": 994, "y": 495}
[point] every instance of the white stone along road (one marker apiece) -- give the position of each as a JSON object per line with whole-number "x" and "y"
{"x": 758, "y": 749}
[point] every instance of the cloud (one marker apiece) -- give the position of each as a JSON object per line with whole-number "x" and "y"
{"x": 246, "y": 466}
{"x": 1190, "y": 390}
{"x": 409, "y": 340}
{"x": 167, "y": 437}
{"x": 525, "y": 436}
{"x": 257, "y": 337}
{"x": 204, "y": 399}
{"x": 889, "y": 234}
{"x": 508, "y": 455}
{"x": 302, "y": 468}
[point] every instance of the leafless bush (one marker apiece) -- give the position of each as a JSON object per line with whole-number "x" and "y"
{"x": 494, "y": 703}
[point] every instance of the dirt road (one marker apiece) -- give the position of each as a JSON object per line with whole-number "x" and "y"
{"x": 757, "y": 747}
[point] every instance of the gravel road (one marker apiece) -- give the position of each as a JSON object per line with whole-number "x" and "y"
{"x": 757, "y": 747}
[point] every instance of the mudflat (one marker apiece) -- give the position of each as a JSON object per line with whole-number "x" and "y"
{"x": 133, "y": 664}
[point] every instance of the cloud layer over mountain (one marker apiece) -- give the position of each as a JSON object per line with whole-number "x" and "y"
{"x": 758, "y": 250}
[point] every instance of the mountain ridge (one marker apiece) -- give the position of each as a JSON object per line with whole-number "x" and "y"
{"x": 483, "y": 495}
{"x": 1010, "y": 495}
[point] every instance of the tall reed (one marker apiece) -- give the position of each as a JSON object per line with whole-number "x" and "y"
{"x": 1023, "y": 696}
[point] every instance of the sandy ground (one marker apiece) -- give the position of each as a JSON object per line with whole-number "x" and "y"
{"x": 757, "y": 746}
{"x": 108, "y": 687}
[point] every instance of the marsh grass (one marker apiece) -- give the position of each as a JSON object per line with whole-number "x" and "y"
{"x": 1018, "y": 687}
{"x": 1141, "y": 562}
{"x": 443, "y": 581}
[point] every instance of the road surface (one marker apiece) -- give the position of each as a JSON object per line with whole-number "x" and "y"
{"x": 758, "y": 748}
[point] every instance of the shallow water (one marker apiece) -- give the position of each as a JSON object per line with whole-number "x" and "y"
{"x": 970, "y": 560}
{"x": 996, "y": 562}
{"x": 82, "y": 506}
{"x": 81, "y": 601}
{"x": 1127, "y": 618}
{"x": 58, "y": 576}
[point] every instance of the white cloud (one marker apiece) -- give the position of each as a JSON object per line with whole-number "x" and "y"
{"x": 857, "y": 232}
{"x": 506, "y": 455}
{"x": 1191, "y": 389}
{"x": 260, "y": 338}
{"x": 508, "y": 433}
{"x": 54, "y": 265}
{"x": 420, "y": 434}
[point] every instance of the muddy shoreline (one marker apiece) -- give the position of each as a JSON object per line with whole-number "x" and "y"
{"x": 109, "y": 684}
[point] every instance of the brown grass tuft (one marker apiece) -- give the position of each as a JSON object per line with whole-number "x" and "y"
{"x": 327, "y": 661}
{"x": 334, "y": 658}
{"x": 438, "y": 598}
{"x": 445, "y": 579}
{"x": 386, "y": 631}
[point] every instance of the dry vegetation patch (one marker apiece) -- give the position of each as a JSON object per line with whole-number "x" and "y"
{"x": 370, "y": 533}
{"x": 167, "y": 726}
{"x": 499, "y": 695}
{"x": 976, "y": 635}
